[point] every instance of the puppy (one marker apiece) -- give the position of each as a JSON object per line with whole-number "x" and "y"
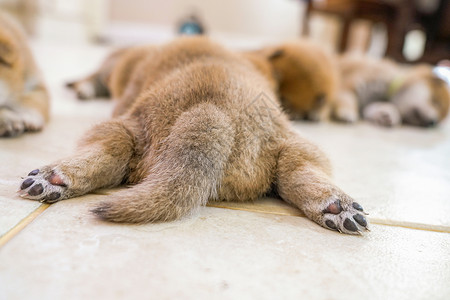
{"x": 306, "y": 76}
{"x": 204, "y": 124}
{"x": 389, "y": 94}
{"x": 303, "y": 75}
{"x": 24, "y": 101}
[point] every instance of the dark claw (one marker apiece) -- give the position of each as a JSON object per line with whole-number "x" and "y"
{"x": 331, "y": 224}
{"x": 360, "y": 219}
{"x": 350, "y": 225}
{"x": 34, "y": 172}
{"x": 36, "y": 190}
{"x": 334, "y": 208}
{"x": 357, "y": 206}
{"x": 52, "y": 197}
{"x": 26, "y": 183}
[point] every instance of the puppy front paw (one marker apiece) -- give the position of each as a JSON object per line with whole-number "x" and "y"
{"x": 346, "y": 115}
{"x": 11, "y": 123}
{"x": 14, "y": 123}
{"x": 46, "y": 185}
{"x": 383, "y": 114}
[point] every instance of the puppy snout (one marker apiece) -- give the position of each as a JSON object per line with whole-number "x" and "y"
{"x": 423, "y": 120}
{"x": 430, "y": 123}
{"x": 311, "y": 118}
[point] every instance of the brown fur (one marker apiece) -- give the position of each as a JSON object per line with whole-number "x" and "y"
{"x": 24, "y": 101}
{"x": 302, "y": 73}
{"x": 204, "y": 125}
{"x": 388, "y": 94}
{"x": 307, "y": 78}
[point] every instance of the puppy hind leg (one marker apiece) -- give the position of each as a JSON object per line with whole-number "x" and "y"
{"x": 96, "y": 84}
{"x": 102, "y": 160}
{"x": 303, "y": 180}
{"x": 89, "y": 87}
{"x": 187, "y": 172}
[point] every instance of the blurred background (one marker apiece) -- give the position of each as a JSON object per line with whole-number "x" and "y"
{"x": 406, "y": 30}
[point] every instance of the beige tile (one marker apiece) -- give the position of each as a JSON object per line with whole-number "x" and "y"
{"x": 263, "y": 205}
{"x": 12, "y": 211}
{"x": 219, "y": 254}
{"x": 399, "y": 175}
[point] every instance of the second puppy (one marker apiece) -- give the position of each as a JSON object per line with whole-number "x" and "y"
{"x": 389, "y": 94}
{"x": 24, "y": 100}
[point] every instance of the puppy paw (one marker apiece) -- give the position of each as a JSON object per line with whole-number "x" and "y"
{"x": 84, "y": 89}
{"x": 346, "y": 115}
{"x": 11, "y": 123}
{"x": 383, "y": 114}
{"x": 46, "y": 185}
{"x": 14, "y": 123}
{"x": 344, "y": 215}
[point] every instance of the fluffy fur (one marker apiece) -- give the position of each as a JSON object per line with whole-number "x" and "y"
{"x": 194, "y": 122}
{"x": 24, "y": 101}
{"x": 304, "y": 76}
{"x": 390, "y": 94}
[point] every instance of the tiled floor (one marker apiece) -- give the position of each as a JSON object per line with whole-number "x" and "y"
{"x": 265, "y": 250}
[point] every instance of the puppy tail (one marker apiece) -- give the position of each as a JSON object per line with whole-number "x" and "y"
{"x": 151, "y": 201}
{"x": 187, "y": 172}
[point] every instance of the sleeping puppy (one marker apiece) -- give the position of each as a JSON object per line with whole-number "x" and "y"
{"x": 389, "y": 94}
{"x": 306, "y": 77}
{"x": 303, "y": 75}
{"x": 24, "y": 101}
{"x": 192, "y": 124}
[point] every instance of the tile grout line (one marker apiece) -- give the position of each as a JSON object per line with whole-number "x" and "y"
{"x": 408, "y": 225}
{"x": 22, "y": 224}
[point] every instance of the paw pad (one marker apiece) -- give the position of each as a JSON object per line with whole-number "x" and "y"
{"x": 334, "y": 208}
{"x": 34, "y": 172}
{"x": 357, "y": 206}
{"x": 344, "y": 216}
{"x": 331, "y": 224}
{"x": 350, "y": 225}
{"x": 36, "y": 190}
{"x": 27, "y": 183}
{"x": 360, "y": 220}
{"x": 44, "y": 185}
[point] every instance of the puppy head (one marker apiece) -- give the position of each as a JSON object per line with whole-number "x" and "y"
{"x": 307, "y": 79}
{"x": 423, "y": 99}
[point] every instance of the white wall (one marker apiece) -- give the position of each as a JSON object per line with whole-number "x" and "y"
{"x": 269, "y": 19}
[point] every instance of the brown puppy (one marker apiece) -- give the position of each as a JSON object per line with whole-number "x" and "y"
{"x": 24, "y": 101}
{"x": 302, "y": 73}
{"x": 204, "y": 124}
{"x": 389, "y": 94}
{"x": 307, "y": 78}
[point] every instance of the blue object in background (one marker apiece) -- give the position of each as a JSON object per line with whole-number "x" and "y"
{"x": 191, "y": 26}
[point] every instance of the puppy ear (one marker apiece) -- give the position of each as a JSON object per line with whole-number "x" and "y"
{"x": 7, "y": 55}
{"x": 276, "y": 54}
